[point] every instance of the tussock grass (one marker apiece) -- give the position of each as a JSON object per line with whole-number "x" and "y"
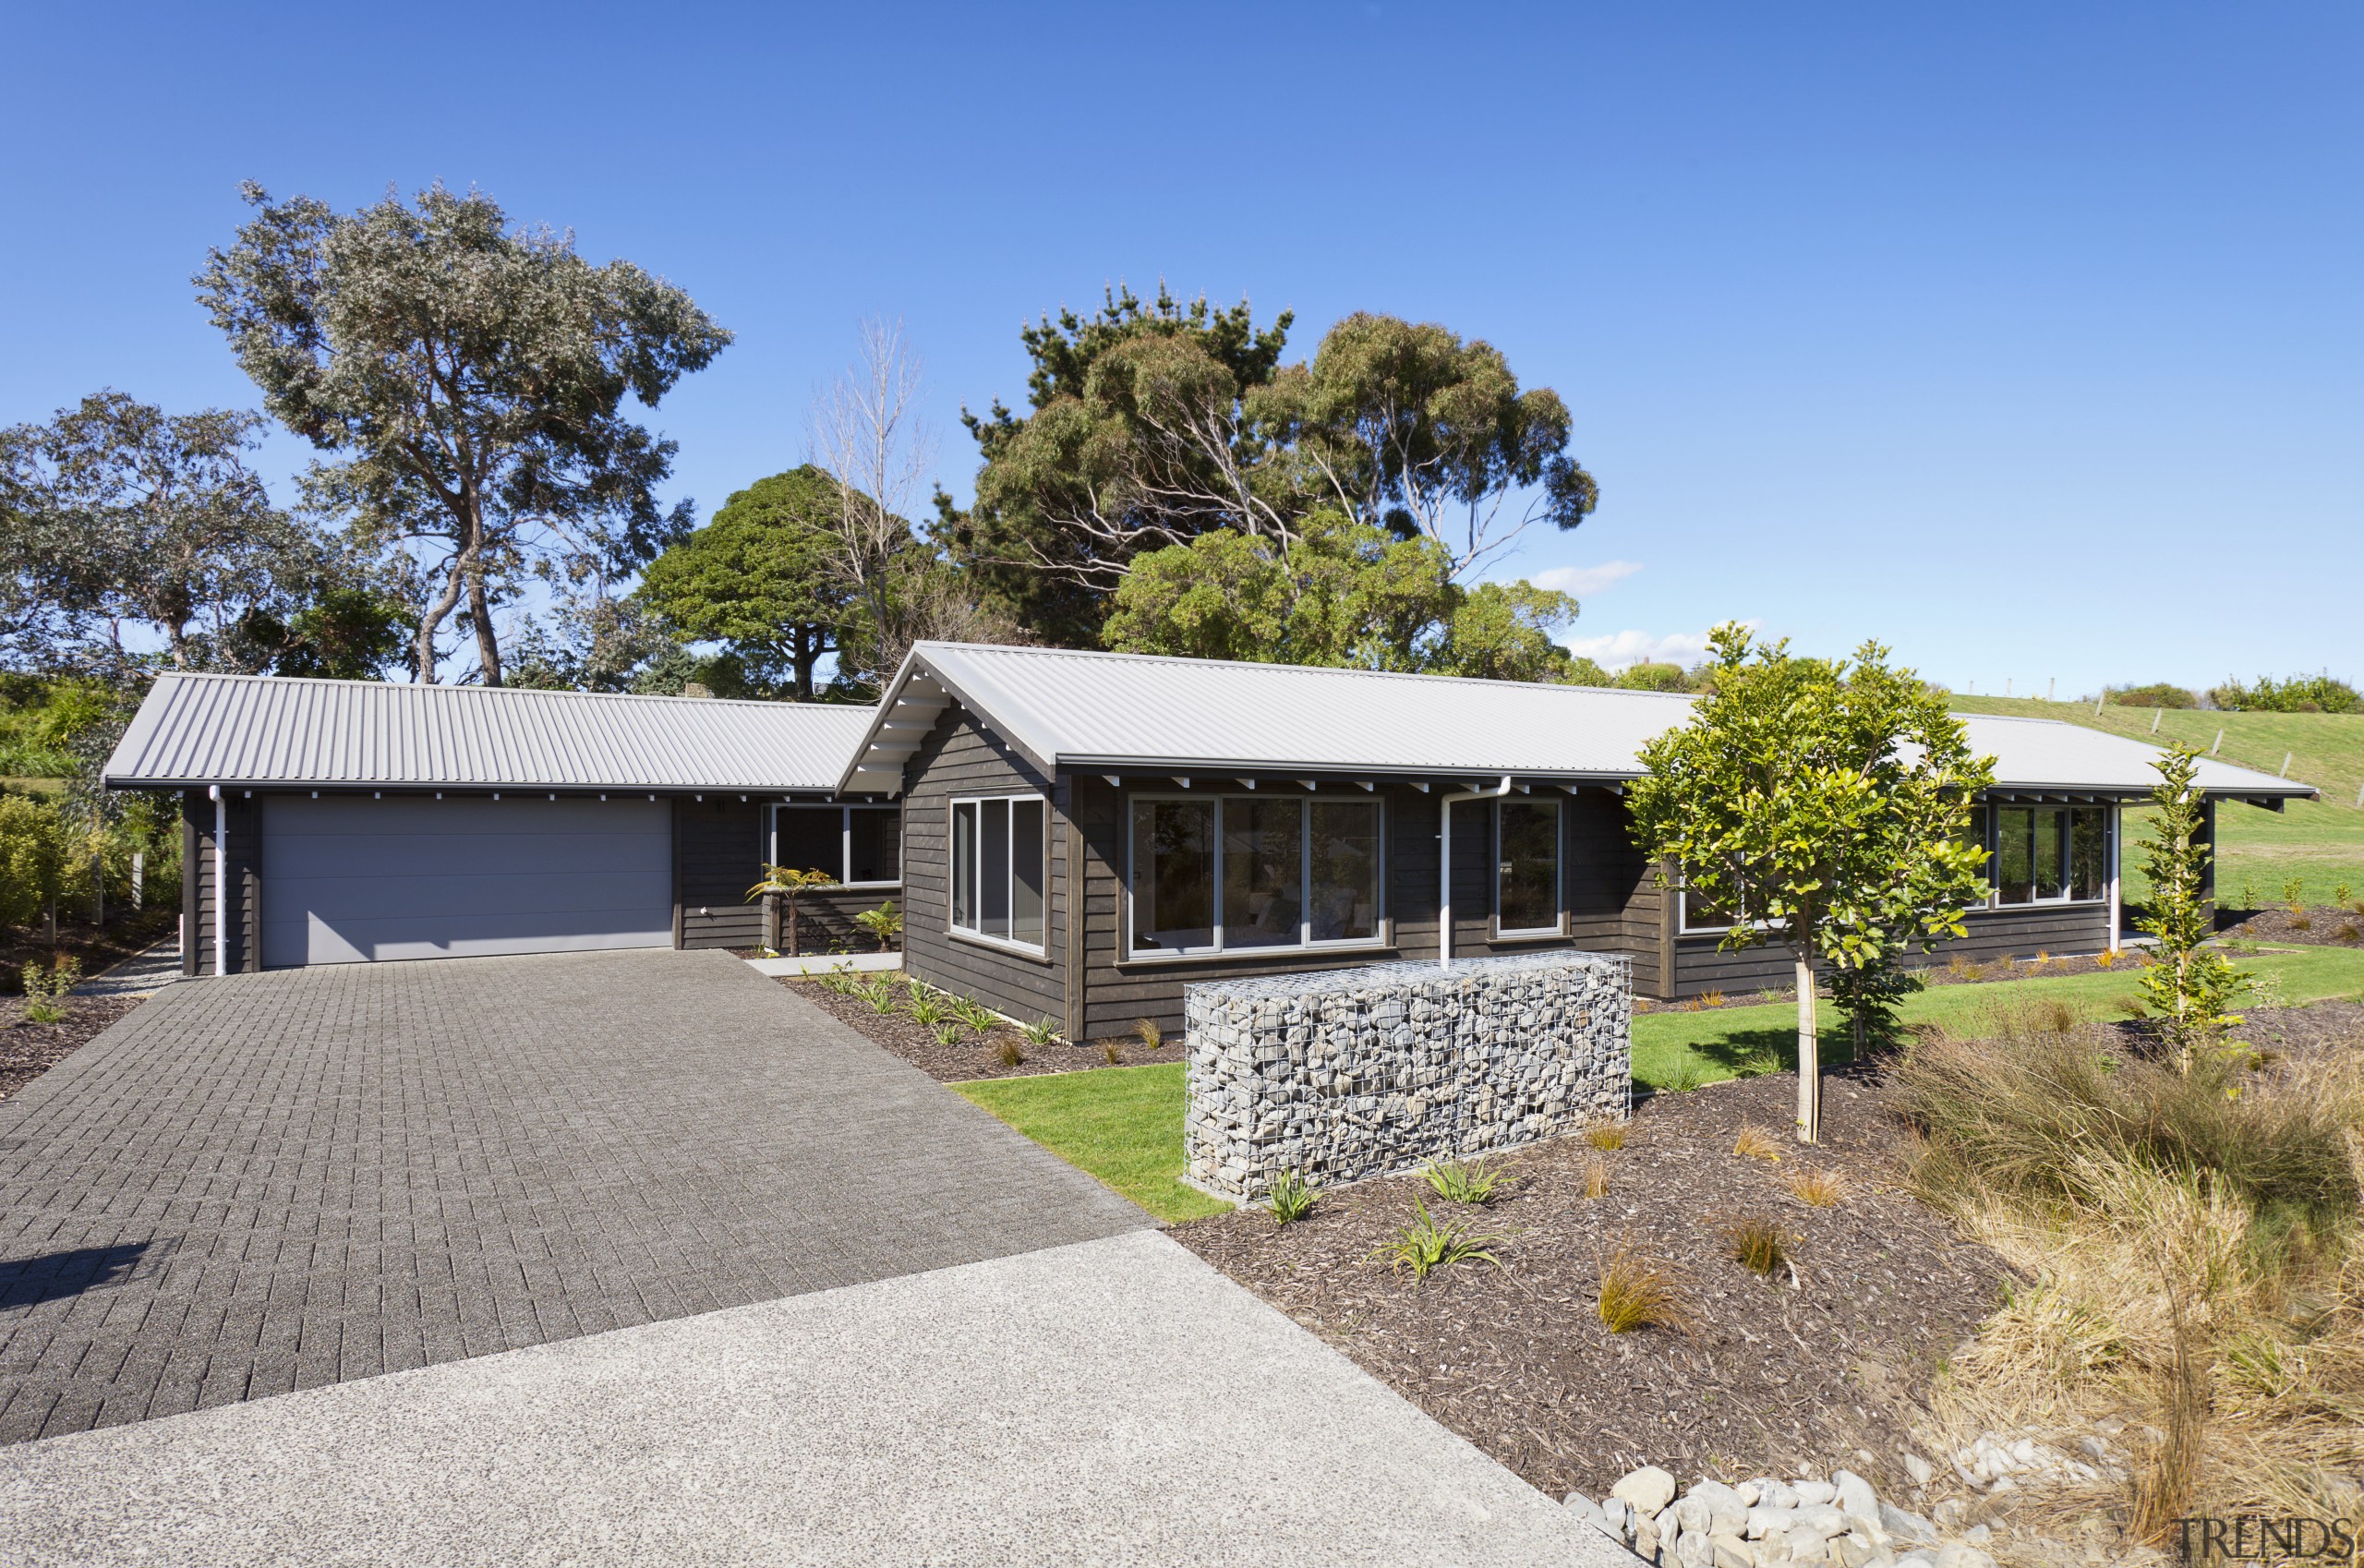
{"x": 1756, "y": 1242}
{"x": 1818, "y": 1186}
{"x": 1596, "y": 1177}
{"x": 2193, "y": 1256}
{"x": 1607, "y": 1137}
{"x": 1756, "y": 1143}
{"x": 1638, "y": 1291}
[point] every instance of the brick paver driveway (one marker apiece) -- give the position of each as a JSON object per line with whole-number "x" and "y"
{"x": 268, "y": 1182}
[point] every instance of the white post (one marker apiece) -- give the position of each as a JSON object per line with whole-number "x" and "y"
{"x": 1445, "y": 863}
{"x": 221, "y": 891}
{"x": 2219, "y": 745}
{"x": 2156, "y": 714}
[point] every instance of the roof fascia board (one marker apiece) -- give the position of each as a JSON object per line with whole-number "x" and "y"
{"x": 914, "y": 663}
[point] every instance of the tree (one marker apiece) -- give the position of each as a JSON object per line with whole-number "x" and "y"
{"x": 790, "y": 883}
{"x": 762, "y": 576}
{"x": 470, "y": 379}
{"x": 1155, "y": 424}
{"x": 1343, "y": 593}
{"x": 2190, "y": 988}
{"x": 33, "y": 848}
{"x": 122, "y": 515}
{"x": 1821, "y": 804}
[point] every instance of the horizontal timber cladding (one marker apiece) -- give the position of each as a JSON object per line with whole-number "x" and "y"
{"x": 960, "y": 758}
{"x": 719, "y": 847}
{"x": 1607, "y": 900}
{"x": 241, "y": 815}
{"x": 2061, "y": 930}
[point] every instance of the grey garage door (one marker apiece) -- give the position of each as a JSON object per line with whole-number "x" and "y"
{"x": 347, "y": 879}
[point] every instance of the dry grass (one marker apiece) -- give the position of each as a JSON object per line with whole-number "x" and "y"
{"x": 2194, "y": 1259}
{"x": 1607, "y": 1137}
{"x": 1596, "y": 1177}
{"x": 1113, "y": 1052}
{"x": 1010, "y": 1055}
{"x": 1818, "y": 1186}
{"x": 1151, "y": 1035}
{"x": 1638, "y": 1291}
{"x": 1756, "y": 1143}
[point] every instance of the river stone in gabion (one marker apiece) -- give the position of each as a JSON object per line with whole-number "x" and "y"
{"x": 1353, "y": 1073}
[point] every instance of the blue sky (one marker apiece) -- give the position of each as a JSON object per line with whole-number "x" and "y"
{"x": 2025, "y": 338}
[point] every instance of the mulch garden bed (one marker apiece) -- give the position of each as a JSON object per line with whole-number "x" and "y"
{"x": 1769, "y": 1375}
{"x": 94, "y": 948}
{"x": 29, "y": 1050}
{"x": 973, "y": 1056}
{"x": 2324, "y": 926}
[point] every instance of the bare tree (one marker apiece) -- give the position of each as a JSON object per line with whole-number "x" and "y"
{"x": 867, "y": 431}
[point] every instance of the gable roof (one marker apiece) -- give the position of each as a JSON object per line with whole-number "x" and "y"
{"x": 1101, "y": 711}
{"x": 261, "y": 729}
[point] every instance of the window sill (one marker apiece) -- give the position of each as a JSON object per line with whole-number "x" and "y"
{"x": 998, "y": 945}
{"x": 1241, "y": 955}
{"x": 1523, "y": 939}
{"x": 2100, "y": 903}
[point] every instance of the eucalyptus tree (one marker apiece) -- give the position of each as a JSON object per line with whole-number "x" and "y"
{"x": 468, "y": 379}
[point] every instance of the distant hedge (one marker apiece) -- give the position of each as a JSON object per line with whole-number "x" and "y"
{"x": 2299, "y": 694}
{"x": 2159, "y": 693}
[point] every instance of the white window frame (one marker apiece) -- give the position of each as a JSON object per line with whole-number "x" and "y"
{"x": 1559, "y": 926}
{"x": 845, "y": 810}
{"x": 977, "y": 934}
{"x": 1380, "y": 939}
{"x": 2066, "y": 897}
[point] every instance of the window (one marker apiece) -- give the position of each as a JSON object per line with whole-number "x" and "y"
{"x": 1527, "y": 873}
{"x": 2051, "y": 854}
{"x": 1700, "y": 914}
{"x": 1000, "y": 869}
{"x": 1240, "y": 873}
{"x": 860, "y": 846}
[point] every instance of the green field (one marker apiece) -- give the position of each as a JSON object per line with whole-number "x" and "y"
{"x": 2321, "y": 844}
{"x": 1124, "y": 1124}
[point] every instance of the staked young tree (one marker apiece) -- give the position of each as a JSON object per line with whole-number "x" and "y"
{"x": 469, "y": 378}
{"x": 1822, "y": 806}
{"x": 764, "y": 577}
{"x": 2189, "y": 987}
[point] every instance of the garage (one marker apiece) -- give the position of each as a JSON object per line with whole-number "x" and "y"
{"x": 352, "y": 879}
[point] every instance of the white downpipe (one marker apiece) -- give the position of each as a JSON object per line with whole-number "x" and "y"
{"x": 2117, "y": 915}
{"x": 221, "y": 888}
{"x": 1445, "y": 863}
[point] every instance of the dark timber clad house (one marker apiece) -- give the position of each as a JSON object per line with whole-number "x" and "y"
{"x": 1089, "y": 832}
{"x": 1074, "y": 836}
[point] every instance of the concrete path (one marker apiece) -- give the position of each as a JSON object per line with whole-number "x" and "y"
{"x": 141, "y": 975}
{"x": 268, "y": 1182}
{"x": 1108, "y": 1401}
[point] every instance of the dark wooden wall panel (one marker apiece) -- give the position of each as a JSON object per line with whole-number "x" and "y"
{"x": 2061, "y": 930}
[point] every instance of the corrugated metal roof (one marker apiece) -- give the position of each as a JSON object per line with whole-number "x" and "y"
{"x": 267, "y": 730}
{"x": 1062, "y": 708}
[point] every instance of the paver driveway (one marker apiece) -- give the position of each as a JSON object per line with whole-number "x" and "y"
{"x": 262, "y": 1182}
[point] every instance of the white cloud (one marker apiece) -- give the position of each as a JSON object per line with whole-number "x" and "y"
{"x": 1619, "y": 649}
{"x": 1585, "y": 581}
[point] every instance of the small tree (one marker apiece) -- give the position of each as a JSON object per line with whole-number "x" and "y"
{"x": 2188, "y": 987}
{"x": 33, "y": 848}
{"x": 885, "y": 923}
{"x": 1823, "y": 804}
{"x": 788, "y": 882}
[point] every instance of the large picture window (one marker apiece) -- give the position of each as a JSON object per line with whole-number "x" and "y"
{"x": 1527, "y": 871}
{"x": 1243, "y": 873}
{"x": 1000, "y": 869}
{"x": 860, "y": 846}
{"x": 2051, "y": 854}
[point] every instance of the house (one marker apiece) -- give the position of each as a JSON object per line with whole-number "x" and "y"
{"x": 1086, "y": 833}
{"x": 1073, "y": 836}
{"x": 356, "y": 820}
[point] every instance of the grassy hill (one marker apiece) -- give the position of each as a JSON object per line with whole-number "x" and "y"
{"x": 2321, "y": 844}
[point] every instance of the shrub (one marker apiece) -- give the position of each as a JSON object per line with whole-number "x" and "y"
{"x": 975, "y": 1014}
{"x": 927, "y": 1008}
{"x": 1291, "y": 1198}
{"x": 1756, "y": 1242}
{"x": 884, "y": 923}
{"x": 2293, "y": 893}
{"x": 878, "y": 995}
{"x": 46, "y": 992}
{"x": 946, "y": 1032}
{"x": 1655, "y": 678}
{"x": 1042, "y": 1033}
{"x": 2299, "y": 694}
{"x": 1607, "y": 1137}
{"x": 1425, "y": 1245}
{"x": 1638, "y": 1291}
{"x": 1010, "y": 1055}
{"x": 1756, "y": 1143}
{"x": 1458, "y": 1181}
{"x": 2342, "y": 895}
{"x": 2158, "y": 694}
{"x": 1819, "y": 1189}
{"x": 32, "y": 858}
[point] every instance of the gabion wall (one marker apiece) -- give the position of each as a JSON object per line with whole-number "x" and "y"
{"x": 1352, "y": 1073}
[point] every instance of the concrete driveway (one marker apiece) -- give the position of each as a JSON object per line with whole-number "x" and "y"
{"x": 264, "y": 1183}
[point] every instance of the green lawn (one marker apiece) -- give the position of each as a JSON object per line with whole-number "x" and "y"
{"x": 1124, "y": 1124}
{"x": 1737, "y": 1042}
{"x": 2320, "y": 843}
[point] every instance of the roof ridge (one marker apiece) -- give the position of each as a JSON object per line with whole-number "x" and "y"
{"x": 1184, "y": 659}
